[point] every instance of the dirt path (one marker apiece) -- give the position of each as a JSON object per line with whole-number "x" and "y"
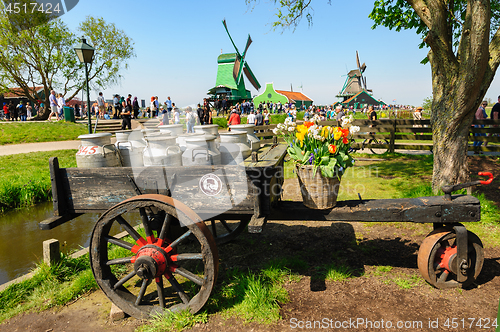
{"x": 386, "y": 289}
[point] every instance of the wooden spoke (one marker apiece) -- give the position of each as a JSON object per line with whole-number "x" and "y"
{"x": 145, "y": 222}
{"x": 186, "y": 257}
{"x": 189, "y": 275}
{"x": 164, "y": 228}
{"x": 142, "y": 291}
{"x": 226, "y": 226}
{"x": 125, "y": 260}
{"x": 180, "y": 239}
{"x": 178, "y": 289}
{"x": 124, "y": 280}
{"x": 133, "y": 233}
{"x": 159, "y": 290}
{"x": 120, "y": 243}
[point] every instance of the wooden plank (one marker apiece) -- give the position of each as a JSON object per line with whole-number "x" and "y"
{"x": 413, "y": 147}
{"x": 57, "y": 220}
{"x": 414, "y": 137}
{"x": 422, "y": 210}
{"x": 59, "y": 203}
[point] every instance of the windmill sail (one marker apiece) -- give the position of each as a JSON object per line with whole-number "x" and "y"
{"x": 251, "y": 77}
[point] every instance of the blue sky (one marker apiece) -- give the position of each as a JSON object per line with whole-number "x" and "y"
{"x": 177, "y": 44}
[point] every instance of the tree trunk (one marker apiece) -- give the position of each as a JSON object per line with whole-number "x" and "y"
{"x": 450, "y": 148}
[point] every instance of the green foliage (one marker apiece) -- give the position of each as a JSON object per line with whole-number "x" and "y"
{"x": 222, "y": 122}
{"x": 336, "y": 272}
{"x": 22, "y": 132}
{"x": 26, "y": 177}
{"x": 427, "y": 103}
{"x": 253, "y": 297}
{"x": 50, "y": 286}
{"x": 405, "y": 281}
{"x": 174, "y": 321}
{"x": 44, "y": 55}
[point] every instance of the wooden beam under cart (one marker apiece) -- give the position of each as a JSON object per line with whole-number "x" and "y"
{"x": 435, "y": 209}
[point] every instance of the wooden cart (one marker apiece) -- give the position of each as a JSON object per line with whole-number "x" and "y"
{"x": 172, "y": 219}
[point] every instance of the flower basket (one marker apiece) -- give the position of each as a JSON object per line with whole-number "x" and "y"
{"x": 318, "y": 192}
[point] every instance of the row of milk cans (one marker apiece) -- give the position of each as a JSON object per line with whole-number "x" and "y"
{"x": 168, "y": 146}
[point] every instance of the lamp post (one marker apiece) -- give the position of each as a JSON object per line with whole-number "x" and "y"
{"x": 85, "y": 54}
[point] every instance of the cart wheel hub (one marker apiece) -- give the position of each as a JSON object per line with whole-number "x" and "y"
{"x": 446, "y": 258}
{"x": 150, "y": 262}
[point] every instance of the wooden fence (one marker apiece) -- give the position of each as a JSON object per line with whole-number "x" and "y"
{"x": 404, "y": 134}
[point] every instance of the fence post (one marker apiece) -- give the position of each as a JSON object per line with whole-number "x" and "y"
{"x": 51, "y": 253}
{"x": 393, "y": 137}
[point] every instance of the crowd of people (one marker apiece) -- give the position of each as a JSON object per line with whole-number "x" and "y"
{"x": 482, "y": 115}
{"x": 20, "y": 112}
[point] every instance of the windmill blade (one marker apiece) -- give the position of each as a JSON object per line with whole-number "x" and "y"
{"x": 357, "y": 57}
{"x": 237, "y": 70}
{"x": 251, "y": 77}
{"x": 249, "y": 41}
{"x": 364, "y": 82}
{"x": 225, "y": 26}
{"x": 363, "y": 67}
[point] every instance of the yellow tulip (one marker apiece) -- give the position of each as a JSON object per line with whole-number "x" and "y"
{"x": 337, "y": 135}
{"x": 300, "y": 136}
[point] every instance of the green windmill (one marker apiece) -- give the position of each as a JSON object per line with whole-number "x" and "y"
{"x": 230, "y": 70}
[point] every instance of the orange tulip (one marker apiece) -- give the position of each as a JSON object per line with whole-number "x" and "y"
{"x": 332, "y": 148}
{"x": 345, "y": 140}
{"x": 308, "y": 124}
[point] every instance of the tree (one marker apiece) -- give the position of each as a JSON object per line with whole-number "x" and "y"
{"x": 427, "y": 103}
{"x": 43, "y": 55}
{"x": 464, "y": 55}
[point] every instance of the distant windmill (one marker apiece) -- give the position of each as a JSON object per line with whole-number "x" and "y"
{"x": 355, "y": 81}
{"x": 229, "y": 82}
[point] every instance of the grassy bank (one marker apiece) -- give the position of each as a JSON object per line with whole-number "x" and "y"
{"x": 25, "y": 178}
{"x": 33, "y": 132}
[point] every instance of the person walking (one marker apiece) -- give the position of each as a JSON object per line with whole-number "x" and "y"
{"x": 126, "y": 114}
{"x": 199, "y": 112}
{"x": 480, "y": 115}
{"x": 22, "y": 111}
{"x": 152, "y": 106}
{"x": 251, "y": 118}
{"x": 116, "y": 106}
{"x": 135, "y": 108}
{"x": 191, "y": 119}
{"x": 234, "y": 118}
{"x": 53, "y": 105}
{"x": 169, "y": 104}
{"x": 6, "y": 111}
{"x": 177, "y": 119}
{"x": 101, "y": 106}
{"x": 60, "y": 105}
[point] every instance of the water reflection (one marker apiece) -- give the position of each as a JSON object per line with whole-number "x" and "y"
{"x": 21, "y": 239}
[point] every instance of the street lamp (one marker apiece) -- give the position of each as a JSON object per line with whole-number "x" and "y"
{"x": 85, "y": 54}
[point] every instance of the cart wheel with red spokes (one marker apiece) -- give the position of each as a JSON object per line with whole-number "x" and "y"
{"x": 437, "y": 255}
{"x": 167, "y": 259}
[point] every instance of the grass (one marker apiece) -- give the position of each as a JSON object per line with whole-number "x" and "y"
{"x": 50, "y": 286}
{"x": 32, "y": 132}
{"x": 335, "y": 272}
{"x": 26, "y": 177}
{"x": 405, "y": 281}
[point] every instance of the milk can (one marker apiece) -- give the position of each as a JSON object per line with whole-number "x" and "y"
{"x": 181, "y": 139}
{"x": 96, "y": 150}
{"x": 175, "y": 129}
{"x": 253, "y": 140}
{"x": 211, "y": 129}
{"x": 162, "y": 151}
{"x": 131, "y": 155}
{"x": 234, "y": 147}
{"x": 148, "y": 131}
{"x": 201, "y": 150}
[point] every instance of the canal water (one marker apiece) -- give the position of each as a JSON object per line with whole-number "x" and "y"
{"x": 21, "y": 239}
